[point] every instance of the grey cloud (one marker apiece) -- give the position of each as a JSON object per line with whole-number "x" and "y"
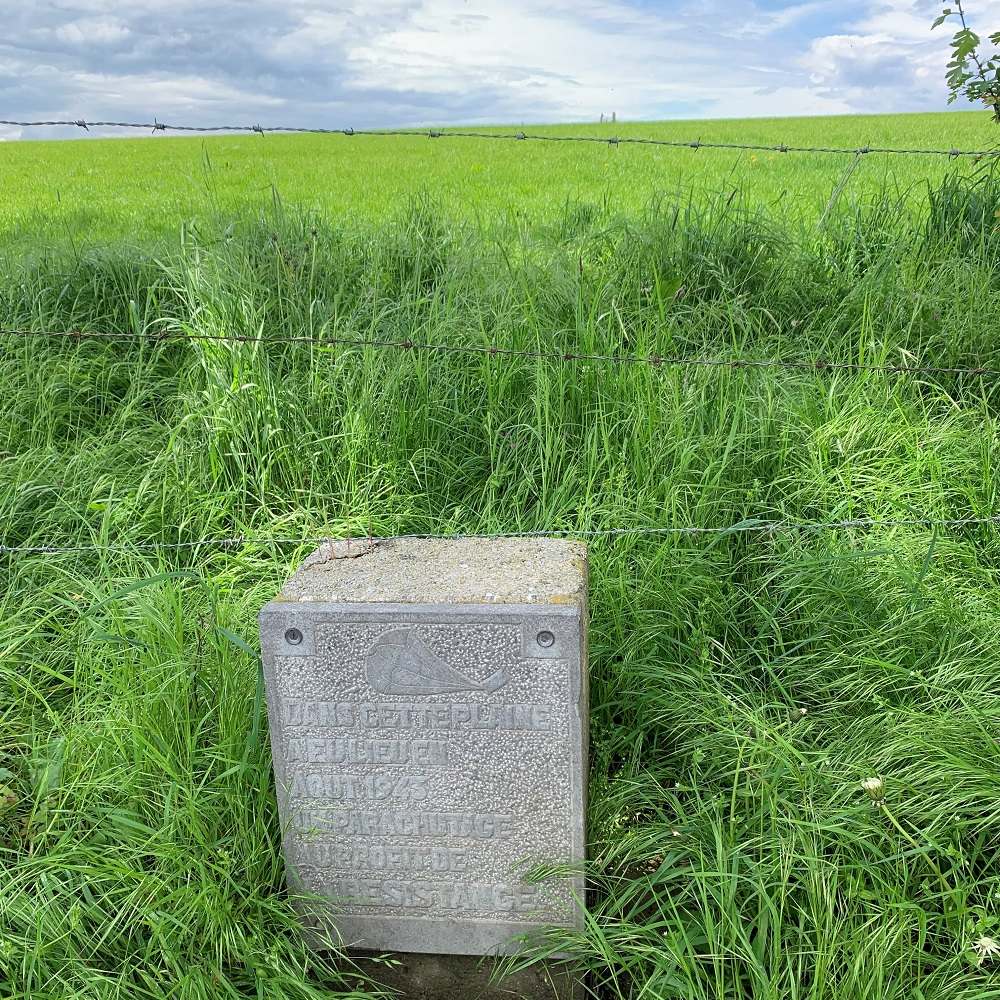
{"x": 54, "y": 57}
{"x": 344, "y": 63}
{"x": 876, "y": 73}
{"x": 289, "y": 63}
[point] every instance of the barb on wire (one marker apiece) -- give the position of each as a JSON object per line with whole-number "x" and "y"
{"x": 749, "y": 525}
{"x": 495, "y": 350}
{"x": 158, "y": 126}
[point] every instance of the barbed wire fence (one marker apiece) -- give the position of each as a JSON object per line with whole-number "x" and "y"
{"x": 751, "y": 525}
{"x": 156, "y": 126}
{"x": 763, "y": 527}
{"x": 500, "y": 351}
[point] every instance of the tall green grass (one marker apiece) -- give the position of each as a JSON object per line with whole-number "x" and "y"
{"x": 743, "y": 685}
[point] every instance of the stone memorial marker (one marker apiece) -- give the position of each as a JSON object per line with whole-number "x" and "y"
{"x": 427, "y": 701}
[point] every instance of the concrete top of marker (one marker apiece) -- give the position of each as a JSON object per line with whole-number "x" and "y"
{"x": 443, "y": 571}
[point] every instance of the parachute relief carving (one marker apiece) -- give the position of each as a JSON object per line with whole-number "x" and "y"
{"x": 400, "y": 662}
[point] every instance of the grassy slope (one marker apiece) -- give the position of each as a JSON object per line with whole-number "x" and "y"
{"x": 734, "y": 853}
{"x": 139, "y": 188}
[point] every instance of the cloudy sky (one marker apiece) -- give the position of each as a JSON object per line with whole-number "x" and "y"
{"x": 357, "y": 63}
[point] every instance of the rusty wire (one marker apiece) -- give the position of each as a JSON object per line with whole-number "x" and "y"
{"x": 156, "y": 126}
{"x": 749, "y": 525}
{"x": 495, "y": 350}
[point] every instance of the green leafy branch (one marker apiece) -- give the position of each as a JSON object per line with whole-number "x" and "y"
{"x": 971, "y": 74}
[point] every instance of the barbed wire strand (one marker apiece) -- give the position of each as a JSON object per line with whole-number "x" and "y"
{"x": 742, "y": 527}
{"x": 494, "y": 350}
{"x": 614, "y": 140}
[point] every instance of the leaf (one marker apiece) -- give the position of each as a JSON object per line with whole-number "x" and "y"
{"x": 747, "y": 522}
{"x": 964, "y": 44}
{"x": 924, "y": 568}
{"x": 7, "y": 798}
{"x": 180, "y": 574}
{"x": 958, "y": 78}
{"x": 47, "y": 768}
{"x": 236, "y": 640}
{"x": 129, "y": 826}
{"x": 253, "y": 737}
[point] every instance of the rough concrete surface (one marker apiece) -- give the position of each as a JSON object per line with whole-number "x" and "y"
{"x": 427, "y": 702}
{"x": 442, "y": 571}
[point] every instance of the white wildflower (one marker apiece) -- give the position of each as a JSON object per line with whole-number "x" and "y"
{"x": 875, "y": 787}
{"x": 986, "y": 947}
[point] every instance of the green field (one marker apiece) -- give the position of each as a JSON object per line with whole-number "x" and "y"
{"x": 744, "y": 684}
{"x": 139, "y": 188}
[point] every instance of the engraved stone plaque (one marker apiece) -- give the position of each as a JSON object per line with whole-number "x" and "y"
{"x": 428, "y": 717}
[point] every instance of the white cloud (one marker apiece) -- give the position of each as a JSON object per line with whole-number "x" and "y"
{"x": 180, "y": 92}
{"x": 763, "y": 24}
{"x": 345, "y": 63}
{"x": 571, "y": 61}
{"x": 890, "y": 59}
{"x": 92, "y": 31}
{"x": 909, "y": 21}
{"x": 549, "y": 58}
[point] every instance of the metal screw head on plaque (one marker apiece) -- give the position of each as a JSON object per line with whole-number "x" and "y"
{"x": 427, "y": 701}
